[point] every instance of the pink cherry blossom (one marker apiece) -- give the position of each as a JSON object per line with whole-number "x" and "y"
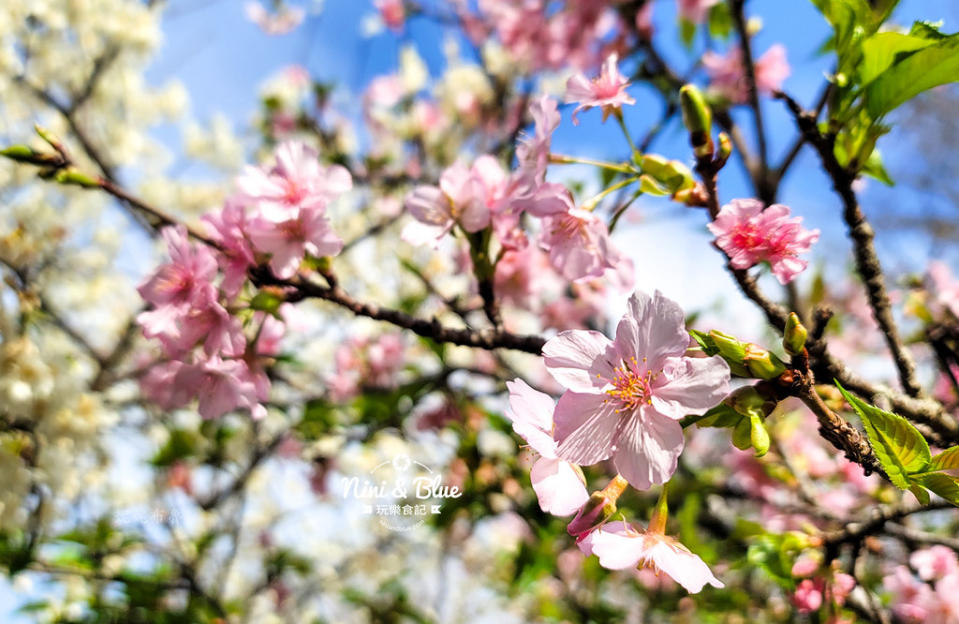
{"x": 520, "y": 276}
{"x": 538, "y": 37}
{"x": 533, "y": 151}
{"x": 808, "y": 596}
{"x": 157, "y": 385}
{"x": 558, "y": 486}
{"x": 361, "y": 362}
{"x": 626, "y": 396}
{"x": 911, "y": 598}
{"x": 187, "y": 278}
{"x": 749, "y": 235}
{"x": 210, "y": 324}
{"x": 945, "y": 287}
{"x": 935, "y": 562}
{"x": 228, "y": 228}
{"x": 221, "y": 386}
{"x": 393, "y": 13}
{"x": 620, "y": 546}
{"x": 466, "y": 196}
{"x": 179, "y": 285}
{"x": 578, "y": 244}
{"x": 297, "y": 180}
{"x": 287, "y": 242}
{"x": 608, "y": 90}
{"x": 694, "y": 11}
{"x": 279, "y": 22}
{"x": 727, "y": 76}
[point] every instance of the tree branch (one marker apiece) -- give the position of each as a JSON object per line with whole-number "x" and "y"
{"x": 867, "y": 261}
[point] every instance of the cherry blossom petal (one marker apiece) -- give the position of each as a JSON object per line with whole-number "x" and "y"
{"x": 648, "y": 446}
{"x": 532, "y": 414}
{"x": 558, "y": 486}
{"x": 575, "y": 358}
{"x": 682, "y": 566}
{"x": 653, "y": 326}
{"x": 586, "y": 425}
{"x": 690, "y": 385}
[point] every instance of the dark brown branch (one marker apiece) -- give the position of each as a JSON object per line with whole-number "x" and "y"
{"x": 484, "y": 339}
{"x": 765, "y": 186}
{"x": 867, "y": 261}
{"x": 857, "y": 531}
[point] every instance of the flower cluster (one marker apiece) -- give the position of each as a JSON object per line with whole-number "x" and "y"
{"x": 750, "y": 235}
{"x": 727, "y": 77}
{"x": 541, "y": 38}
{"x": 483, "y": 195}
{"x": 624, "y": 401}
{"x": 363, "y": 363}
{"x": 934, "y": 595}
{"x": 625, "y": 397}
{"x": 278, "y": 217}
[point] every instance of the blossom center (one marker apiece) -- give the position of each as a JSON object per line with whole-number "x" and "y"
{"x": 295, "y": 193}
{"x": 746, "y": 236}
{"x": 632, "y": 385}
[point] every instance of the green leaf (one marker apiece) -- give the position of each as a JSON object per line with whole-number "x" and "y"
{"x": 921, "y": 494}
{"x": 647, "y": 184}
{"x": 946, "y": 460}
{"x": 720, "y": 20}
{"x": 705, "y": 341}
{"x": 944, "y": 485}
{"x": 875, "y": 168}
{"x": 880, "y": 52}
{"x": 720, "y": 416}
{"x": 899, "y": 446}
{"x": 687, "y": 30}
{"x": 921, "y": 70}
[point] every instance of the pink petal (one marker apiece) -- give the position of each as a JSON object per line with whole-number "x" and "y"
{"x": 428, "y": 205}
{"x": 586, "y": 425}
{"x": 418, "y": 233}
{"x": 617, "y": 550}
{"x": 653, "y": 327}
{"x": 683, "y": 567}
{"x": 575, "y": 358}
{"x": 690, "y": 385}
{"x": 647, "y": 448}
{"x": 532, "y": 414}
{"x": 558, "y": 486}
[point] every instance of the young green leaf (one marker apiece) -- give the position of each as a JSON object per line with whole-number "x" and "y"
{"x": 899, "y": 446}
{"x": 924, "y": 69}
{"x": 944, "y": 485}
{"x": 882, "y": 50}
{"x": 946, "y": 460}
{"x": 921, "y": 494}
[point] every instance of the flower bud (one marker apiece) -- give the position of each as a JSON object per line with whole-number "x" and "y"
{"x": 598, "y": 509}
{"x": 758, "y": 435}
{"x": 76, "y": 178}
{"x": 794, "y": 336}
{"x": 729, "y": 347}
{"x": 673, "y": 174}
{"x": 19, "y": 153}
{"x": 47, "y": 136}
{"x": 742, "y": 434}
{"x": 698, "y": 119}
{"x": 747, "y": 400}
{"x": 725, "y": 148}
{"x": 761, "y": 363}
